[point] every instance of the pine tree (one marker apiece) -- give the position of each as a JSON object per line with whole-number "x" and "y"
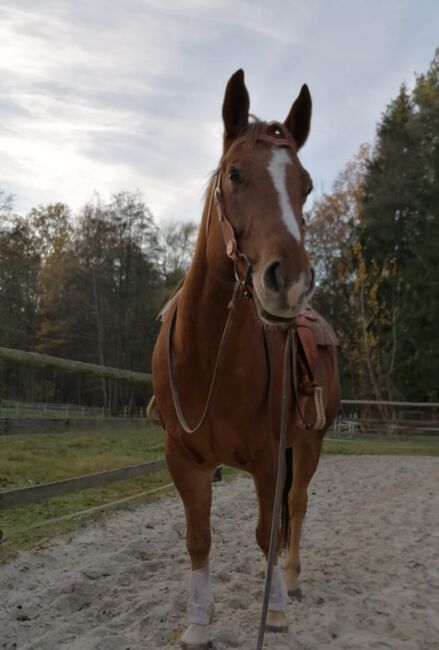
{"x": 401, "y": 223}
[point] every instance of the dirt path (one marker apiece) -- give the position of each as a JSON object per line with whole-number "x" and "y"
{"x": 370, "y": 570}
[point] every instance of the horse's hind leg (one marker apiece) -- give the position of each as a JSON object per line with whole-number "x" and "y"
{"x": 265, "y": 488}
{"x": 194, "y": 483}
{"x": 306, "y": 453}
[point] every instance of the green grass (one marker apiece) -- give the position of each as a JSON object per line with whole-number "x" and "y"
{"x": 30, "y": 459}
{"x": 38, "y": 458}
{"x": 31, "y": 526}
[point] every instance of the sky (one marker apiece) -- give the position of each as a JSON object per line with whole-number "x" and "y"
{"x": 104, "y": 96}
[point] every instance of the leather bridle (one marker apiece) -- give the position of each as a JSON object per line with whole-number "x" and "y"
{"x": 217, "y": 197}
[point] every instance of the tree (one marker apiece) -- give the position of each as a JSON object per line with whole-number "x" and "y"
{"x": 349, "y": 285}
{"x": 19, "y": 265}
{"x": 176, "y": 245}
{"x": 331, "y": 232}
{"x": 401, "y": 223}
{"x": 100, "y": 291}
{"x": 6, "y": 206}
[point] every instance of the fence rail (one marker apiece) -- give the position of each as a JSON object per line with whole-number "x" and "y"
{"x": 49, "y": 406}
{"x": 66, "y": 365}
{"x": 393, "y": 417}
{"x": 33, "y": 494}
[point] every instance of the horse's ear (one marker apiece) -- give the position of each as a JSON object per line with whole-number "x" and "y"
{"x": 236, "y": 106}
{"x": 299, "y": 118}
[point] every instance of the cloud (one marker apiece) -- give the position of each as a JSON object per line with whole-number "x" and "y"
{"x": 110, "y": 96}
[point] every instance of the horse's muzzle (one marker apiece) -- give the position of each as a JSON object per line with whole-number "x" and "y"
{"x": 278, "y": 303}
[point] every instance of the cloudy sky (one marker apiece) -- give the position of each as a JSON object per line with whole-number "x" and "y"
{"x": 105, "y": 96}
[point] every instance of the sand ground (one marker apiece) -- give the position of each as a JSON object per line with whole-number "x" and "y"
{"x": 370, "y": 570}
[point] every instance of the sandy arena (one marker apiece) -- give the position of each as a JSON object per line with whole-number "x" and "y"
{"x": 370, "y": 566}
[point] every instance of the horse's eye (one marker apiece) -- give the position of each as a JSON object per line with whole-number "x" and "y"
{"x": 234, "y": 175}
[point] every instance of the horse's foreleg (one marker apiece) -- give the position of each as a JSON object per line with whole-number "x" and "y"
{"x": 265, "y": 488}
{"x": 306, "y": 453}
{"x": 194, "y": 483}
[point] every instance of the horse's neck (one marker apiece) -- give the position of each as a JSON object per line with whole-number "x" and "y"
{"x": 204, "y": 299}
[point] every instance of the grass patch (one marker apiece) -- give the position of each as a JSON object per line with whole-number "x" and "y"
{"x": 40, "y": 458}
{"x": 21, "y": 527}
{"x": 29, "y": 459}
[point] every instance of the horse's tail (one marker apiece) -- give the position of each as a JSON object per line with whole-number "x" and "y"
{"x": 285, "y": 515}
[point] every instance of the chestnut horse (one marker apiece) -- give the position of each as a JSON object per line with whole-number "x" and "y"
{"x": 252, "y": 228}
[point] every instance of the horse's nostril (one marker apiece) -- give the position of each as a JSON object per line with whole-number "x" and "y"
{"x": 271, "y": 278}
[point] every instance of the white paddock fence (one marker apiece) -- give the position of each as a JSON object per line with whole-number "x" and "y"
{"x": 14, "y": 408}
{"x": 371, "y": 416}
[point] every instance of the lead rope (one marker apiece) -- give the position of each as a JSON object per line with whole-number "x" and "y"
{"x": 280, "y": 480}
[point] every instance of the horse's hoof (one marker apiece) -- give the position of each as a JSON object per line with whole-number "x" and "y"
{"x": 276, "y": 622}
{"x": 196, "y": 638}
{"x": 279, "y": 629}
{"x": 296, "y": 594}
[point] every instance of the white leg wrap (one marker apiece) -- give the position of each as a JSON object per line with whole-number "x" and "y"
{"x": 278, "y": 592}
{"x": 201, "y": 599}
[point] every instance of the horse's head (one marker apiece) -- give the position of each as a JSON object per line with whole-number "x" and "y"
{"x": 264, "y": 187}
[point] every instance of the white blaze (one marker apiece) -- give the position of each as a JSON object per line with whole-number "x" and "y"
{"x": 277, "y": 168}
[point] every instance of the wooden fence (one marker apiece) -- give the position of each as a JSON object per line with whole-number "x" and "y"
{"x": 35, "y": 493}
{"x": 392, "y": 417}
{"x": 66, "y": 365}
{"x": 355, "y": 416}
{"x": 58, "y": 426}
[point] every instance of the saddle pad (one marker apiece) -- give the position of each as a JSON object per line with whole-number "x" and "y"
{"x": 322, "y": 331}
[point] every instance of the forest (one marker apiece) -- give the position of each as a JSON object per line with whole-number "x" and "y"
{"x": 87, "y": 286}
